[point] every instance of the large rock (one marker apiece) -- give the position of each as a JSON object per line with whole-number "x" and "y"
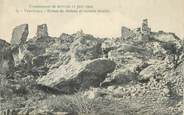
{"x": 3, "y": 44}
{"x": 6, "y": 59}
{"x": 64, "y": 42}
{"x": 20, "y": 34}
{"x": 176, "y": 81}
{"x": 165, "y": 37}
{"x": 19, "y": 37}
{"x": 75, "y": 75}
{"x": 18, "y": 53}
{"x": 155, "y": 68}
{"x": 156, "y": 49}
{"x": 147, "y": 73}
{"x": 34, "y": 47}
{"x": 120, "y": 77}
{"x": 128, "y": 56}
{"x": 86, "y": 48}
{"x": 44, "y": 52}
{"x": 6, "y": 62}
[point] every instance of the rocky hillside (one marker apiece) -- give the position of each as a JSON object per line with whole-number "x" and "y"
{"x": 139, "y": 73}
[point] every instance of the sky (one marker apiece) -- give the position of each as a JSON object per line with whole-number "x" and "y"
{"x": 167, "y": 15}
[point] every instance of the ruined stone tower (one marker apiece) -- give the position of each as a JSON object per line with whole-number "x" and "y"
{"x": 42, "y": 31}
{"x": 126, "y": 32}
{"x": 145, "y": 28}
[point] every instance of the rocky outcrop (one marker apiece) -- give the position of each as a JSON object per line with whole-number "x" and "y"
{"x": 86, "y": 48}
{"x": 165, "y": 37}
{"x": 6, "y": 59}
{"x": 74, "y": 76}
{"x": 19, "y": 35}
{"x": 153, "y": 70}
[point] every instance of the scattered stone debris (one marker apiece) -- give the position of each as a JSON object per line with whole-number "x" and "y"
{"x": 86, "y": 48}
{"x": 140, "y": 72}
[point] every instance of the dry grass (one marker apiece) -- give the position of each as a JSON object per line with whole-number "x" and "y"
{"x": 79, "y": 105}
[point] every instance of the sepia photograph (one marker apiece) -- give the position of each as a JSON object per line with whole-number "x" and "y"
{"x": 91, "y": 57}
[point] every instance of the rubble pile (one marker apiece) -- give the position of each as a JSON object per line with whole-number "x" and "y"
{"x": 141, "y": 67}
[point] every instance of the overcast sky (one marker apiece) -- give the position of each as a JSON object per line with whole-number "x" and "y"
{"x": 167, "y": 15}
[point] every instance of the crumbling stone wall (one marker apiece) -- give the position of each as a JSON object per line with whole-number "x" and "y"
{"x": 42, "y": 31}
{"x": 145, "y": 28}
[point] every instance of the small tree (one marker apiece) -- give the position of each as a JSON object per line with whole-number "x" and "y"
{"x": 176, "y": 50}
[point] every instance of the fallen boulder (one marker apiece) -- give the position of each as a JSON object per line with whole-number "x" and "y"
{"x": 120, "y": 77}
{"x": 156, "y": 69}
{"x": 78, "y": 75}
